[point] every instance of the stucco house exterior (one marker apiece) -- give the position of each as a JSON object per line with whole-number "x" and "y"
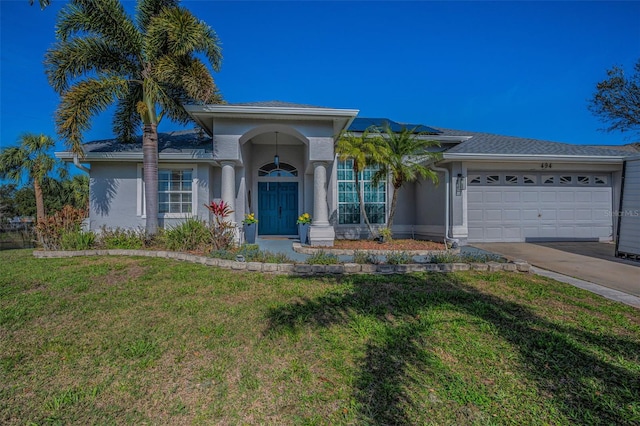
{"x": 491, "y": 187}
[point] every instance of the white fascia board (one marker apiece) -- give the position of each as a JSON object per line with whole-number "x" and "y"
{"x": 239, "y": 110}
{"x": 531, "y": 157}
{"x": 136, "y": 156}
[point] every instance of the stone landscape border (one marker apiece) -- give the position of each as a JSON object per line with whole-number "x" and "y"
{"x": 296, "y": 269}
{"x": 299, "y": 248}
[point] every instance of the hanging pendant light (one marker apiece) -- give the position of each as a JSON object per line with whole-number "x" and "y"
{"x": 276, "y": 158}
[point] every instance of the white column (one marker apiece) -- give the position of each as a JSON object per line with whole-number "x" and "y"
{"x": 228, "y": 190}
{"x": 320, "y": 207}
{"x": 321, "y": 232}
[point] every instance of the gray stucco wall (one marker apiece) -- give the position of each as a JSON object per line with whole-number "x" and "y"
{"x": 115, "y": 201}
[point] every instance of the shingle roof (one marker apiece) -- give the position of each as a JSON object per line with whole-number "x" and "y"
{"x": 487, "y": 143}
{"x": 177, "y": 141}
{"x": 360, "y": 124}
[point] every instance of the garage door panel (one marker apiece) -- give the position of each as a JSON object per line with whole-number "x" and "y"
{"x": 549, "y": 196}
{"x": 543, "y": 211}
{"x": 566, "y": 214}
{"x": 492, "y": 197}
{"x": 493, "y": 215}
{"x": 511, "y": 197}
{"x": 511, "y": 215}
{"x": 530, "y": 196}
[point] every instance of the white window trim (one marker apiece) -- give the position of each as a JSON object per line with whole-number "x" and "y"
{"x": 140, "y": 203}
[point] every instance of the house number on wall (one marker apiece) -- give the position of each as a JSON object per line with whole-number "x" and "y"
{"x": 545, "y": 165}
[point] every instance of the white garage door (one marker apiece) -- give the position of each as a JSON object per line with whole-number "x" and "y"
{"x": 512, "y": 207}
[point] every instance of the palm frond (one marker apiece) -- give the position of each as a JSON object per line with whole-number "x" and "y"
{"x": 104, "y": 18}
{"x": 147, "y": 9}
{"x": 177, "y": 32}
{"x": 81, "y": 102}
{"x": 69, "y": 60}
{"x": 126, "y": 120}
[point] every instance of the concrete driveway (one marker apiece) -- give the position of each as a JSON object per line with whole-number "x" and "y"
{"x": 592, "y": 262}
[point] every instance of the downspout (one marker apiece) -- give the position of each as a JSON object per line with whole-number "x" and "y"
{"x": 76, "y": 162}
{"x": 447, "y": 235}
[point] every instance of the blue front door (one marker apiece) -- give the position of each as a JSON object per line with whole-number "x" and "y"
{"x": 277, "y": 208}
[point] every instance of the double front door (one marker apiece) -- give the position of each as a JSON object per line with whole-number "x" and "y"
{"x": 277, "y": 208}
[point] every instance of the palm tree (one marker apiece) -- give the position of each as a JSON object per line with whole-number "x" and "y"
{"x": 43, "y": 3}
{"x": 364, "y": 151}
{"x": 406, "y": 158}
{"x": 30, "y": 160}
{"x": 147, "y": 67}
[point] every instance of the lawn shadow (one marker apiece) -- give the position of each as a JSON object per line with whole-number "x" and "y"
{"x": 559, "y": 358}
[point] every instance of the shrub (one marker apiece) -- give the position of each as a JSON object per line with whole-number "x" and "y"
{"x": 222, "y": 231}
{"x": 77, "y": 240}
{"x": 322, "y": 258}
{"x": 126, "y": 239}
{"x": 399, "y": 258}
{"x": 364, "y": 257}
{"x": 51, "y": 229}
{"x": 223, "y": 254}
{"x": 446, "y": 257}
{"x": 192, "y": 234}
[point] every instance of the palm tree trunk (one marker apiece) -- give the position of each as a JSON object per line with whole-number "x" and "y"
{"x": 394, "y": 202}
{"x": 40, "y": 213}
{"x": 363, "y": 212}
{"x": 150, "y": 164}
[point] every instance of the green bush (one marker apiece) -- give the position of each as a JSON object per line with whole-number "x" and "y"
{"x": 322, "y": 258}
{"x": 223, "y": 254}
{"x": 192, "y": 234}
{"x": 364, "y": 257}
{"x": 399, "y": 258}
{"x": 449, "y": 257}
{"x": 125, "y": 239}
{"x": 251, "y": 253}
{"x": 77, "y": 240}
{"x": 446, "y": 257}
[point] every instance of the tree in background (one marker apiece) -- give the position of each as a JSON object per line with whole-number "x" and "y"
{"x": 147, "y": 67}
{"x": 407, "y": 156}
{"x": 617, "y": 100}
{"x": 31, "y": 161}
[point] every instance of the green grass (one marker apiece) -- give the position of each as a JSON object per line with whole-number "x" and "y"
{"x": 152, "y": 341}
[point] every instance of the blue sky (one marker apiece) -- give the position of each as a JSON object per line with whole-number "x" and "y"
{"x": 513, "y": 68}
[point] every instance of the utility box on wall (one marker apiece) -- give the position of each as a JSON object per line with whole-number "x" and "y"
{"x": 628, "y": 241}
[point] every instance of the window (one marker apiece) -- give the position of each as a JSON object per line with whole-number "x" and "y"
{"x": 374, "y": 197}
{"x": 565, "y": 180}
{"x": 583, "y": 180}
{"x": 493, "y": 180}
{"x": 177, "y": 186}
{"x": 548, "y": 180}
{"x": 511, "y": 179}
{"x": 600, "y": 180}
{"x": 283, "y": 170}
{"x": 475, "y": 180}
{"x": 529, "y": 180}
{"x": 175, "y": 191}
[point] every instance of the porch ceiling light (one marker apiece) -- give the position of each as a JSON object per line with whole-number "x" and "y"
{"x": 276, "y": 158}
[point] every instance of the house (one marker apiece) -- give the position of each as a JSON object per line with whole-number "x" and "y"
{"x": 277, "y": 160}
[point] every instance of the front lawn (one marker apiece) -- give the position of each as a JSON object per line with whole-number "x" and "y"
{"x": 107, "y": 340}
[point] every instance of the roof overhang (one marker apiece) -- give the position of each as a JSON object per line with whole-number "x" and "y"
{"x": 449, "y": 157}
{"x": 204, "y": 114}
{"x": 90, "y": 157}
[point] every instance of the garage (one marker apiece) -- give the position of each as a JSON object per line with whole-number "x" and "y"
{"x": 538, "y": 206}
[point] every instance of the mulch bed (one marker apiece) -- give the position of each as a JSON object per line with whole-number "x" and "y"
{"x": 398, "y": 245}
